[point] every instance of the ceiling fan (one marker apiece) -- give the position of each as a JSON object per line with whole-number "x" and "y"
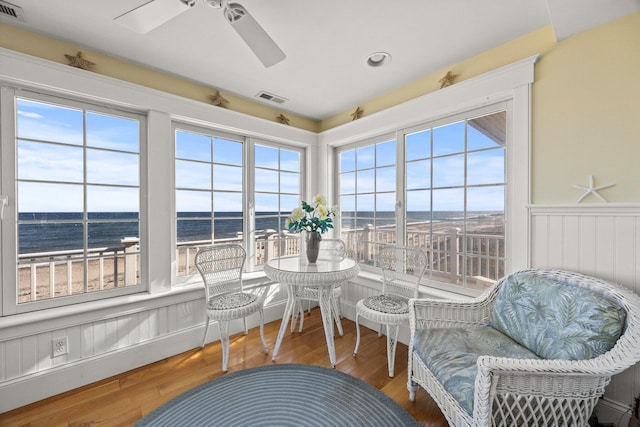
{"x": 156, "y": 12}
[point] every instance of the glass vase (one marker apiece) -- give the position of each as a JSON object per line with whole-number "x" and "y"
{"x": 312, "y": 247}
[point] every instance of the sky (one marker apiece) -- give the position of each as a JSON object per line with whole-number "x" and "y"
{"x": 434, "y": 170}
{"x": 50, "y": 148}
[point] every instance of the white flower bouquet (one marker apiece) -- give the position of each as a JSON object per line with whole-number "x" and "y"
{"x": 314, "y": 217}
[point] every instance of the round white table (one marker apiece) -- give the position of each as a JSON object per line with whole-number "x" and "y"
{"x": 293, "y": 272}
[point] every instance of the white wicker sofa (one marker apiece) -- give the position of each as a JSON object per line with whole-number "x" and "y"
{"x": 537, "y": 349}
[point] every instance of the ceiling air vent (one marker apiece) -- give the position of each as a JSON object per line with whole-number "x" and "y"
{"x": 11, "y": 11}
{"x": 271, "y": 97}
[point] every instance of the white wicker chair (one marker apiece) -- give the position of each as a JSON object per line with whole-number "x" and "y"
{"x": 330, "y": 250}
{"x": 402, "y": 270}
{"x": 221, "y": 268}
{"x": 531, "y": 392}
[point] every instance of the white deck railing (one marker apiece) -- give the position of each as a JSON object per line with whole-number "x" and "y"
{"x": 61, "y": 273}
{"x": 474, "y": 260}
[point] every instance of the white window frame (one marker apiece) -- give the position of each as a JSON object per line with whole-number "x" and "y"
{"x": 355, "y": 146}
{"x": 510, "y": 84}
{"x": 249, "y": 143}
{"x": 250, "y": 241}
{"x": 214, "y": 133}
{"x": 23, "y": 71}
{"x": 8, "y": 108}
{"x": 401, "y": 202}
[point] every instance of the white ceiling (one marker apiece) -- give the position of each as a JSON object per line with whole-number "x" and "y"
{"x": 326, "y": 42}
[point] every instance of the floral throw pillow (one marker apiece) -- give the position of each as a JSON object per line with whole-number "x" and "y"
{"x": 557, "y": 320}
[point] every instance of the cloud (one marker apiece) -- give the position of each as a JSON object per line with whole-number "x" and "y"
{"x": 30, "y": 115}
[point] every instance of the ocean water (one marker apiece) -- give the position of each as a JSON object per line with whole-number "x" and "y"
{"x": 60, "y": 231}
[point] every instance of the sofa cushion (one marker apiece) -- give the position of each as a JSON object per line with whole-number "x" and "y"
{"x": 557, "y": 320}
{"x": 451, "y": 355}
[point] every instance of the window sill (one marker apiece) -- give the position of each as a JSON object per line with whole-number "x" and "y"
{"x": 251, "y": 280}
{"x": 372, "y": 279}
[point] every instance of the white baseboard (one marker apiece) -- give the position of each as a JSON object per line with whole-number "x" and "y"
{"x": 609, "y": 411}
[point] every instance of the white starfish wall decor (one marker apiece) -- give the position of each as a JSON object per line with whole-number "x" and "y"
{"x": 592, "y": 190}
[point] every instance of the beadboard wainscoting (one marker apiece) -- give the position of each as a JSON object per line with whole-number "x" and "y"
{"x": 110, "y": 340}
{"x": 600, "y": 240}
{"x": 133, "y": 332}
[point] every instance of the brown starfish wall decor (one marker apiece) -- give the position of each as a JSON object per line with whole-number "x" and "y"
{"x": 357, "y": 114}
{"x": 79, "y": 62}
{"x": 218, "y": 100}
{"x": 447, "y": 80}
{"x": 282, "y": 119}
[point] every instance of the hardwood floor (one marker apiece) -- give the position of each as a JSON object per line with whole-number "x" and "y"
{"x": 125, "y": 398}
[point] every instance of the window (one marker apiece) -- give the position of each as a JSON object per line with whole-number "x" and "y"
{"x": 77, "y": 192}
{"x": 368, "y": 198}
{"x": 209, "y": 180}
{"x": 213, "y": 203}
{"x": 455, "y": 198}
{"x": 277, "y": 191}
{"x": 448, "y": 199}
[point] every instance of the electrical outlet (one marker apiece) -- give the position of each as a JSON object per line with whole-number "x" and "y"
{"x": 60, "y": 346}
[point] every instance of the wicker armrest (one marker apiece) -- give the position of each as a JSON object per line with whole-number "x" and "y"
{"x": 537, "y": 390}
{"x": 430, "y": 313}
{"x": 505, "y": 366}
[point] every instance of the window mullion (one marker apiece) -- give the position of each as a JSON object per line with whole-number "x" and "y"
{"x": 401, "y": 188}
{"x": 85, "y": 213}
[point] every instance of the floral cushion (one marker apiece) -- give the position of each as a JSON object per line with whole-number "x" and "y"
{"x": 451, "y": 355}
{"x": 557, "y": 320}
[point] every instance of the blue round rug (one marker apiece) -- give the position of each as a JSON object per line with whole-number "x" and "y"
{"x": 282, "y": 395}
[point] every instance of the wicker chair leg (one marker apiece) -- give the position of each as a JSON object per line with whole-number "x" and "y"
{"x": 301, "y": 311}
{"x": 413, "y": 388}
{"x": 355, "y": 351}
{"x": 246, "y": 330}
{"x": 206, "y": 328}
{"x": 411, "y": 385}
{"x": 264, "y": 343}
{"x": 392, "y": 342}
{"x": 224, "y": 340}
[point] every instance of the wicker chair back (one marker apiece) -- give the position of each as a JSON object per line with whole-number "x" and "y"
{"x": 221, "y": 268}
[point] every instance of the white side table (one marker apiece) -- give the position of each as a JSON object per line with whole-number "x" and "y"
{"x": 324, "y": 275}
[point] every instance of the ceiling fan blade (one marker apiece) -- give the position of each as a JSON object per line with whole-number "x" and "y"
{"x": 153, "y": 14}
{"x": 253, "y": 35}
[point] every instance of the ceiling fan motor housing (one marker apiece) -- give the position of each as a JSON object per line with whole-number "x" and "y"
{"x": 216, "y": 4}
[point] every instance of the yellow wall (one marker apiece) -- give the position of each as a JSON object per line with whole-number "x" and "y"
{"x": 534, "y": 43}
{"x": 40, "y": 46}
{"x": 586, "y": 102}
{"x": 586, "y": 115}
